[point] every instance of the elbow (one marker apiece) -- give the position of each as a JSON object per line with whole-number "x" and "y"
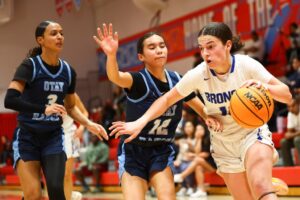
{"x": 6, "y": 103}
{"x": 289, "y": 98}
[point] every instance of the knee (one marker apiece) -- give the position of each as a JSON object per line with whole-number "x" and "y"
{"x": 199, "y": 160}
{"x": 33, "y": 194}
{"x": 260, "y": 187}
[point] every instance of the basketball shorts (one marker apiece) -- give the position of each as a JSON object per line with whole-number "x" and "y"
{"x": 72, "y": 144}
{"x": 230, "y": 155}
{"x": 32, "y": 147}
{"x": 141, "y": 161}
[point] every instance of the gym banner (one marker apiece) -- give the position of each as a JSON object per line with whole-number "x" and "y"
{"x": 270, "y": 18}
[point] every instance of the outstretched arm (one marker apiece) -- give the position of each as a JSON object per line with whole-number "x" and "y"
{"x": 210, "y": 121}
{"x": 156, "y": 110}
{"x": 109, "y": 42}
{"x": 74, "y": 112}
{"x": 79, "y": 131}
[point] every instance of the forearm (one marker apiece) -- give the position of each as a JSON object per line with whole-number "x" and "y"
{"x": 14, "y": 101}
{"x": 198, "y": 107}
{"x": 75, "y": 113}
{"x": 280, "y": 93}
{"x": 158, "y": 108}
{"x": 112, "y": 69}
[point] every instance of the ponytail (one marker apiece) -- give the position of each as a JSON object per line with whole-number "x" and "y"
{"x": 236, "y": 44}
{"x": 35, "y": 51}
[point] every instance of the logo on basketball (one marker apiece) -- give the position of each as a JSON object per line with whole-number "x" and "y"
{"x": 251, "y": 107}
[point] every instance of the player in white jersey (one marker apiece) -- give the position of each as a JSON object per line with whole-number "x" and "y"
{"x": 72, "y": 147}
{"x": 244, "y": 157}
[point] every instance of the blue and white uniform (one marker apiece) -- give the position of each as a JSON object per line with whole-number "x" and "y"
{"x": 229, "y": 147}
{"x": 38, "y": 135}
{"x": 152, "y": 150}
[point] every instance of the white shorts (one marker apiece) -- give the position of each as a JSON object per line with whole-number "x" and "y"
{"x": 72, "y": 145}
{"x": 230, "y": 156}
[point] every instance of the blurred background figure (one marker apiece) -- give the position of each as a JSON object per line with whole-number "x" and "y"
{"x": 255, "y": 48}
{"x": 294, "y": 38}
{"x": 95, "y": 161}
{"x": 293, "y": 77}
{"x": 292, "y": 136}
{"x": 5, "y": 151}
{"x": 185, "y": 155}
{"x": 202, "y": 162}
{"x": 198, "y": 59}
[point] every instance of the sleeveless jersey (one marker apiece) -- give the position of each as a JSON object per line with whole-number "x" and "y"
{"x": 45, "y": 88}
{"x": 217, "y": 90}
{"x": 161, "y": 129}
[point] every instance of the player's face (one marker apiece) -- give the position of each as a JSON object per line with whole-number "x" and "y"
{"x": 53, "y": 38}
{"x": 294, "y": 107}
{"x": 215, "y": 53}
{"x": 189, "y": 128}
{"x": 155, "y": 52}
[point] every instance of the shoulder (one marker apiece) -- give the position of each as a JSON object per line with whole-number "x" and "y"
{"x": 199, "y": 69}
{"x": 69, "y": 67}
{"x": 246, "y": 61}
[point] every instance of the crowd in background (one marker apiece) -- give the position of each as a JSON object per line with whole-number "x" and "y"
{"x": 192, "y": 136}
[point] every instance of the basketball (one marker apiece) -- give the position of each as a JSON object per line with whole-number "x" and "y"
{"x": 280, "y": 186}
{"x": 251, "y": 107}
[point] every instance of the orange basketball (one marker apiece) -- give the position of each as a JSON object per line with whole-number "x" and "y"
{"x": 251, "y": 107}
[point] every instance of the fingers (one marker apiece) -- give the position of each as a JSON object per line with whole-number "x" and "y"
{"x": 103, "y": 132}
{"x": 129, "y": 139}
{"x": 116, "y": 36}
{"x": 100, "y": 35}
{"x": 55, "y": 109}
{"x": 110, "y": 29}
{"x": 215, "y": 125}
{"x": 105, "y": 31}
{"x": 60, "y": 110}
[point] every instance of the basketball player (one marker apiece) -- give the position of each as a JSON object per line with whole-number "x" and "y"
{"x": 149, "y": 157}
{"x": 41, "y": 86}
{"x": 72, "y": 145}
{"x": 244, "y": 157}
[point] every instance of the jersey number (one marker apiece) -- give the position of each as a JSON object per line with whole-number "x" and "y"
{"x": 52, "y": 99}
{"x": 224, "y": 111}
{"x": 160, "y": 127}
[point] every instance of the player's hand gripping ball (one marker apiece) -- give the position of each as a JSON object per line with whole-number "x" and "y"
{"x": 251, "y": 107}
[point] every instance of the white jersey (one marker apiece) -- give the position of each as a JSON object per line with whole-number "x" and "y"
{"x": 293, "y": 121}
{"x": 68, "y": 124}
{"x": 72, "y": 144}
{"x": 216, "y": 91}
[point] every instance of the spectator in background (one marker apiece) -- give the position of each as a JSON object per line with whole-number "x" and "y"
{"x": 255, "y": 48}
{"x": 119, "y": 102}
{"x": 198, "y": 59}
{"x": 293, "y": 79}
{"x": 184, "y": 158}
{"x": 108, "y": 114}
{"x": 292, "y": 136}
{"x": 95, "y": 161}
{"x": 294, "y": 37}
{"x": 203, "y": 162}
{"x": 5, "y": 150}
